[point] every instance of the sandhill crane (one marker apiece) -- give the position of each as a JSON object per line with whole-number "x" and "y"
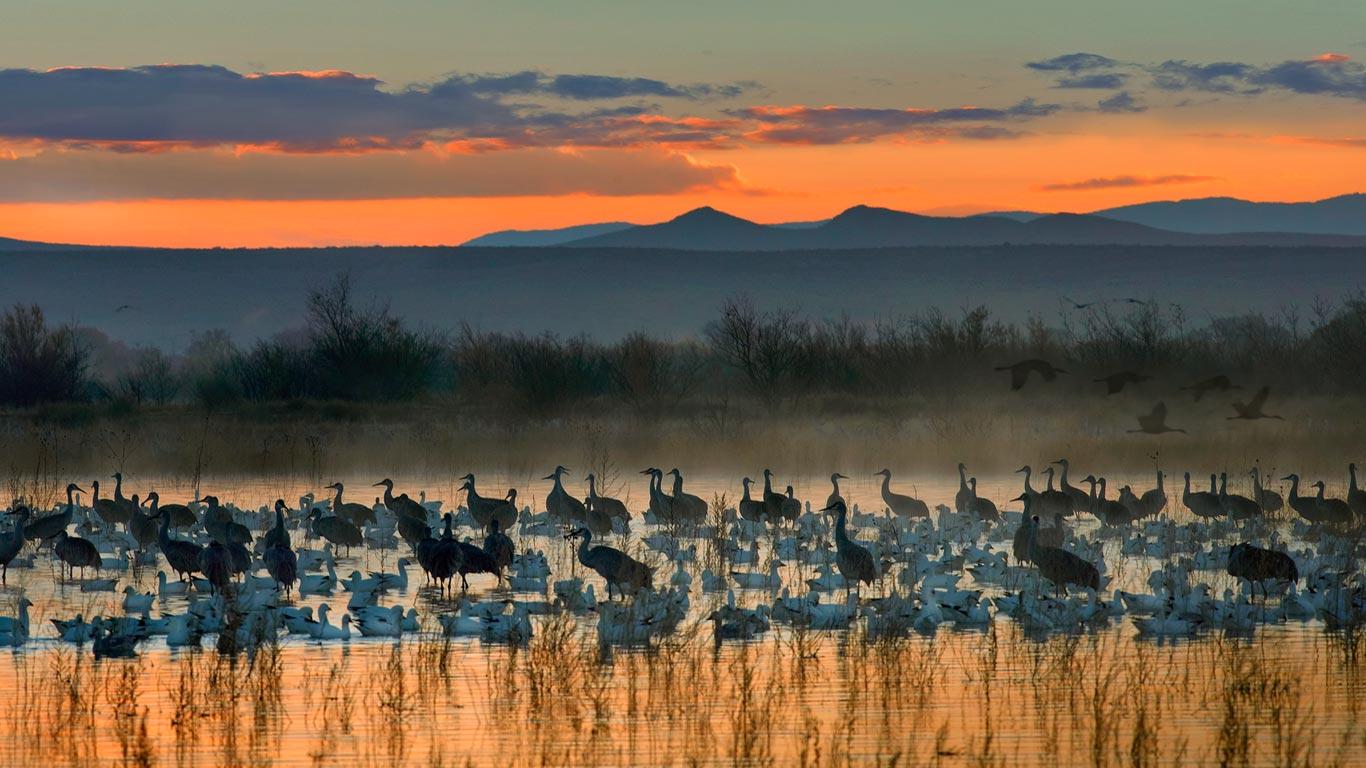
{"x": 1155, "y": 421}
{"x": 900, "y": 504}
{"x": 750, "y": 509}
{"x": 835, "y": 496}
{"x": 1305, "y": 506}
{"x": 1019, "y": 372}
{"x": 47, "y": 527}
{"x": 984, "y": 508}
{"x": 216, "y": 565}
{"x": 1331, "y": 511}
{"x": 1356, "y": 497}
{"x": 281, "y": 562}
{"x": 1028, "y": 490}
{"x": 613, "y": 508}
{"x": 1154, "y": 500}
{"x": 1217, "y": 383}
{"x": 1051, "y": 502}
{"x": 498, "y": 546}
{"x": 278, "y": 536}
{"x": 773, "y": 501}
{"x": 109, "y": 511}
{"x": 1109, "y": 511}
{"x": 401, "y": 504}
{"x": 1080, "y": 499}
{"x": 475, "y": 560}
{"x": 76, "y": 553}
{"x": 1201, "y": 503}
{"x": 1115, "y": 382}
{"x": 335, "y": 529}
{"x": 854, "y": 561}
{"x": 1257, "y": 565}
{"x": 181, "y": 556}
{"x": 504, "y": 511}
{"x": 13, "y": 541}
{"x": 618, "y": 569}
{"x": 143, "y": 526}
{"x": 1252, "y": 409}
{"x": 118, "y": 494}
{"x": 562, "y": 506}
{"x": 218, "y": 523}
{"x": 351, "y": 512}
{"x": 661, "y": 505}
{"x": 1058, "y": 565}
{"x": 444, "y": 558}
{"x": 792, "y": 506}
{"x": 686, "y": 506}
{"x": 1270, "y": 501}
{"x": 181, "y": 515}
{"x": 485, "y": 509}
{"x": 962, "y": 500}
{"x": 1235, "y": 506}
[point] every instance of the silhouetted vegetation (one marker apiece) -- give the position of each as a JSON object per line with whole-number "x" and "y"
{"x": 768, "y": 358}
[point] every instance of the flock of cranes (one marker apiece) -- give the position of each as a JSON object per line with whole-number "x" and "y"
{"x": 1154, "y": 422}
{"x": 219, "y": 549}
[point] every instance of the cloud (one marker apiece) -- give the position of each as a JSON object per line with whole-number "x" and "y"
{"x": 1326, "y": 74}
{"x": 1116, "y": 182}
{"x": 1074, "y": 63}
{"x": 848, "y": 125}
{"x": 598, "y": 87}
{"x": 57, "y": 175}
{"x": 1351, "y": 142}
{"x": 210, "y": 105}
{"x": 1106, "y": 80}
{"x": 1120, "y": 102}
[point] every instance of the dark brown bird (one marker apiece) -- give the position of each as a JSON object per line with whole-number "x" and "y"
{"x": 1219, "y": 383}
{"x": 1255, "y": 564}
{"x": 1019, "y": 372}
{"x": 1252, "y": 409}
{"x": 1155, "y": 422}
{"x": 1115, "y": 382}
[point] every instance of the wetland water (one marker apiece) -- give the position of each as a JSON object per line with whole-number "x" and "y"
{"x": 1284, "y": 691}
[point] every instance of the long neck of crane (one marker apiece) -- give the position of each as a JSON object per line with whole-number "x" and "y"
{"x": 962, "y": 478}
{"x": 841, "y": 531}
{"x": 592, "y": 487}
{"x": 835, "y": 481}
{"x": 1028, "y": 490}
{"x": 1187, "y": 492}
{"x": 1352, "y": 473}
{"x": 337, "y": 500}
{"x": 886, "y": 484}
{"x": 746, "y": 485}
{"x": 1062, "y": 481}
{"x": 678, "y": 484}
{"x": 279, "y": 519}
{"x": 1102, "y": 489}
{"x": 388, "y": 495}
{"x": 1223, "y": 485}
{"x": 583, "y": 547}
{"x": 768, "y": 484}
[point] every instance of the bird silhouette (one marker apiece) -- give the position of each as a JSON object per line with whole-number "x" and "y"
{"x": 122, "y": 307}
{"x": 1115, "y": 382}
{"x": 1155, "y": 422}
{"x": 1217, "y": 383}
{"x": 1019, "y": 372}
{"x": 1252, "y": 409}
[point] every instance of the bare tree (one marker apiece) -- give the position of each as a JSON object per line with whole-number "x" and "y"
{"x": 766, "y": 347}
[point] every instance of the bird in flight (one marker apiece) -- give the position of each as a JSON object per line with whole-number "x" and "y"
{"x": 1155, "y": 422}
{"x": 1019, "y": 372}
{"x": 1218, "y": 383}
{"x": 1115, "y": 382}
{"x": 1252, "y": 409}
{"x": 122, "y": 307}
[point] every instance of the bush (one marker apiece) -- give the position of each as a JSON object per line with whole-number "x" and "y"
{"x": 39, "y": 365}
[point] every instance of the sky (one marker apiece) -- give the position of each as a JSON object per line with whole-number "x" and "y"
{"x": 313, "y": 123}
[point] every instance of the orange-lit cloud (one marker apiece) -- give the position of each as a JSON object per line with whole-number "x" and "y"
{"x": 1118, "y": 182}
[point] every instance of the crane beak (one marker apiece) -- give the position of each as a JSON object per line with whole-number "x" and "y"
{"x": 548, "y": 477}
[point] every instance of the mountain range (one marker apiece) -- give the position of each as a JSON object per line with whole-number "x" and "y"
{"x": 1338, "y": 221}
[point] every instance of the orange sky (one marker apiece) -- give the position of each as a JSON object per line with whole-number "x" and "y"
{"x": 782, "y": 183}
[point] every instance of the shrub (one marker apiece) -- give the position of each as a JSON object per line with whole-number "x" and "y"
{"x": 39, "y": 364}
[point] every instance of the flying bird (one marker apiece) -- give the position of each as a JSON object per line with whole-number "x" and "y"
{"x": 1115, "y": 382}
{"x": 1019, "y": 372}
{"x": 1219, "y": 383}
{"x": 1252, "y": 409}
{"x": 1155, "y": 422}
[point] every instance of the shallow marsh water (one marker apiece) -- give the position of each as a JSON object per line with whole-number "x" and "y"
{"x": 1287, "y": 694}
